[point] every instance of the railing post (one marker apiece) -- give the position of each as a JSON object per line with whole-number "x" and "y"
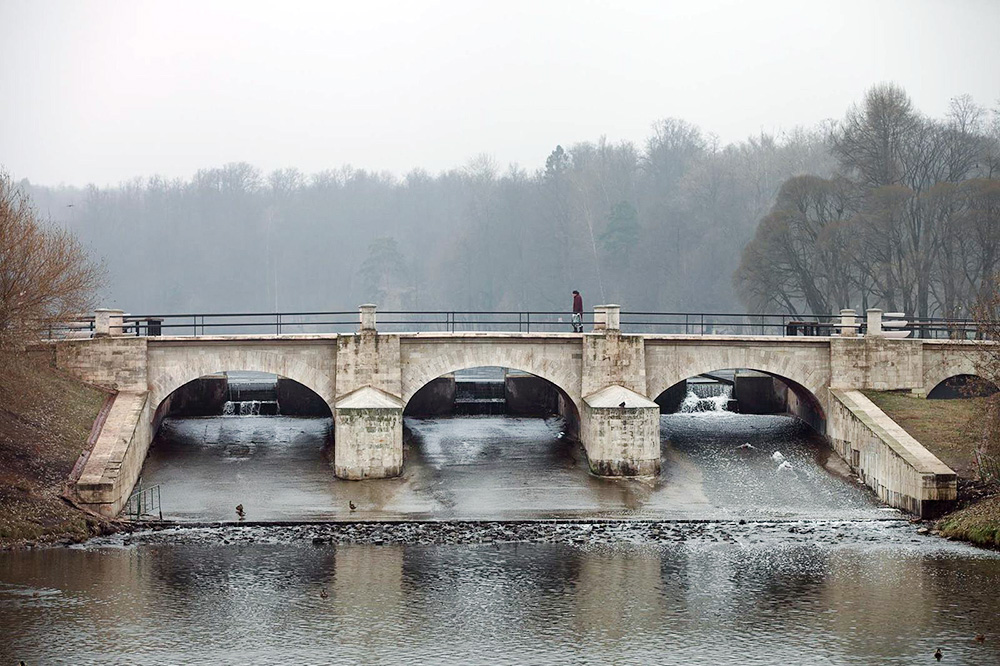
{"x": 612, "y": 317}
{"x": 874, "y": 323}
{"x": 848, "y": 323}
{"x": 367, "y": 316}
{"x": 107, "y": 322}
{"x": 600, "y": 317}
{"x": 527, "y": 326}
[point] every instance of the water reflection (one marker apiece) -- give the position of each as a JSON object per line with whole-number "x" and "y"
{"x": 699, "y": 602}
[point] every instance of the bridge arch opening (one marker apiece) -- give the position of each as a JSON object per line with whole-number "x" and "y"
{"x": 962, "y": 386}
{"x": 494, "y": 391}
{"x": 743, "y": 391}
{"x": 241, "y": 438}
{"x": 241, "y": 393}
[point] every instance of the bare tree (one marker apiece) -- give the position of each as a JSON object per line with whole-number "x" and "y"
{"x": 45, "y": 275}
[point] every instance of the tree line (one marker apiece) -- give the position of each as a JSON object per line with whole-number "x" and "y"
{"x": 885, "y": 207}
{"x": 909, "y": 221}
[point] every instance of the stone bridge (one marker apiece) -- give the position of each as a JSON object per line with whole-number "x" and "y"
{"x": 607, "y": 381}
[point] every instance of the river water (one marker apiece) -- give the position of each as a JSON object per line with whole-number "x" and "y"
{"x": 816, "y": 572}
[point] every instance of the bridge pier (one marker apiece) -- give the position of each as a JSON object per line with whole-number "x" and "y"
{"x": 620, "y": 426}
{"x": 368, "y": 412}
{"x": 368, "y": 435}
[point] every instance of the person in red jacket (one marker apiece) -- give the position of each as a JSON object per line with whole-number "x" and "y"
{"x": 577, "y": 312}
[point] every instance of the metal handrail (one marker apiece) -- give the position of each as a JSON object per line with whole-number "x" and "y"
{"x": 143, "y": 503}
{"x": 698, "y": 323}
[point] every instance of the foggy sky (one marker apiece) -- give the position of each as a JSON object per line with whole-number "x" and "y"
{"x": 105, "y": 91}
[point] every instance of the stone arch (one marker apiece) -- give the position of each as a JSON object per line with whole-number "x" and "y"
{"x": 448, "y": 358}
{"x": 782, "y": 364}
{"x": 186, "y": 366}
{"x": 806, "y": 382}
{"x": 942, "y": 362}
{"x": 941, "y": 388}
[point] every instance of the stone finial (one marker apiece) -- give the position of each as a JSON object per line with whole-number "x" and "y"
{"x": 367, "y": 316}
{"x": 612, "y": 317}
{"x": 874, "y": 323}
{"x": 108, "y": 322}
{"x": 848, "y": 323}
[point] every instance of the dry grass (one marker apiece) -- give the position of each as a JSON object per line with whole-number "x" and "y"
{"x": 978, "y": 524}
{"x": 45, "y": 420}
{"x": 949, "y": 429}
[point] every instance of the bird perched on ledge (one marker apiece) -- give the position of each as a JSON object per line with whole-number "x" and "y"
{"x": 239, "y": 511}
{"x": 351, "y": 504}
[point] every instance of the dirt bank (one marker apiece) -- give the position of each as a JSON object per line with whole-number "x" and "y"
{"x": 45, "y": 422}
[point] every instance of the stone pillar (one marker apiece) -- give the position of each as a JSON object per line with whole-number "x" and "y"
{"x": 612, "y": 317}
{"x": 620, "y": 430}
{"x": 108, "y": 322}
{"x": 848, "y": 324}
{"x": 600, "y": 317}
{"x": 874, "y": 323}
{"x": 368, "y": 412}
{"x": 619, "y": 426}
{"x": 368, "y": 435}
{"x": 367, "y": 316}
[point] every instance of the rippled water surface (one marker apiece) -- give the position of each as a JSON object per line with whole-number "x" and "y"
{"x": 801, "y": 567}
{"x": 500, "y": 468}
{"x": 889, "y": 600}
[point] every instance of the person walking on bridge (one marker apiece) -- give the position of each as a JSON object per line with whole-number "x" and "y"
{"x": 577, "y": 312}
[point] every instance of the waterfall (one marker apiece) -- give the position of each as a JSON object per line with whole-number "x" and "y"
{"x": 706, "y": 398}
{"x": 250, "y": 408}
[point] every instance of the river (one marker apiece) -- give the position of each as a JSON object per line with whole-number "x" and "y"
{"x": 726, "y": 559}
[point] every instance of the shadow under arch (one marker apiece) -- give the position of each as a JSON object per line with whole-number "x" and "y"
{"x": 437, "y": 397}
{"x": 962, "y": 385}
{"x": 796, "y": 399}
{"x": 207, "y": 396}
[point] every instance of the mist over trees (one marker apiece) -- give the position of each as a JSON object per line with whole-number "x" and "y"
{"x": 910, "y": 221}
{"x": 886, "y": 207}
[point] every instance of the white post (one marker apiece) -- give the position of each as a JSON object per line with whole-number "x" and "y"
{"x": 600, "y": 317}
{"x": 107, "y": 322}
{"x": 367, "y": 316}
{"x": 874, "y": 323}
{"x": 848, "y": 323}
{"x": 612, "y": 317}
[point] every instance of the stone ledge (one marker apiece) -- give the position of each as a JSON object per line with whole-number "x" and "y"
{"x": 890, "y": 432}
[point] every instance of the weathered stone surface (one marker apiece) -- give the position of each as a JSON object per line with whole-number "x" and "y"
{"x": 114, "y": 362}
{"x": 368, "y": 439}
{"x": 888, "y": 459}
{"x": 114, "y": 463}
{"x": 621, "y": 441}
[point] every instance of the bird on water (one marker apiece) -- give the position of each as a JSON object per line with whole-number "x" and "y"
{"x": 937, "y": 654}
{"x": 239, "y": 511}
{"x": 980, "y": 638}
{"x": 323, "y": 594}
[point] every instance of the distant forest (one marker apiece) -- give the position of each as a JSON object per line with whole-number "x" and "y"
{"x": 885, "y": 207}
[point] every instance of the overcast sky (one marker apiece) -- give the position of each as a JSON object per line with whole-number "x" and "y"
{"x": 105, "y": 91}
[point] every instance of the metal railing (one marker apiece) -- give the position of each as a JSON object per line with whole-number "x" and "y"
{"x": 144, "y": 504}
{"x": 399, "y": 321}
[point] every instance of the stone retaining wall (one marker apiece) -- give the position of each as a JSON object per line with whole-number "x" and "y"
{"x": 889, "y": 460}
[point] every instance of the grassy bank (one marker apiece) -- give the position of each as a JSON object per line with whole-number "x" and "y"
{"x": 45, "y": 420}
{"x": 978, "y": 523}
{"x": 950, "y": 430}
